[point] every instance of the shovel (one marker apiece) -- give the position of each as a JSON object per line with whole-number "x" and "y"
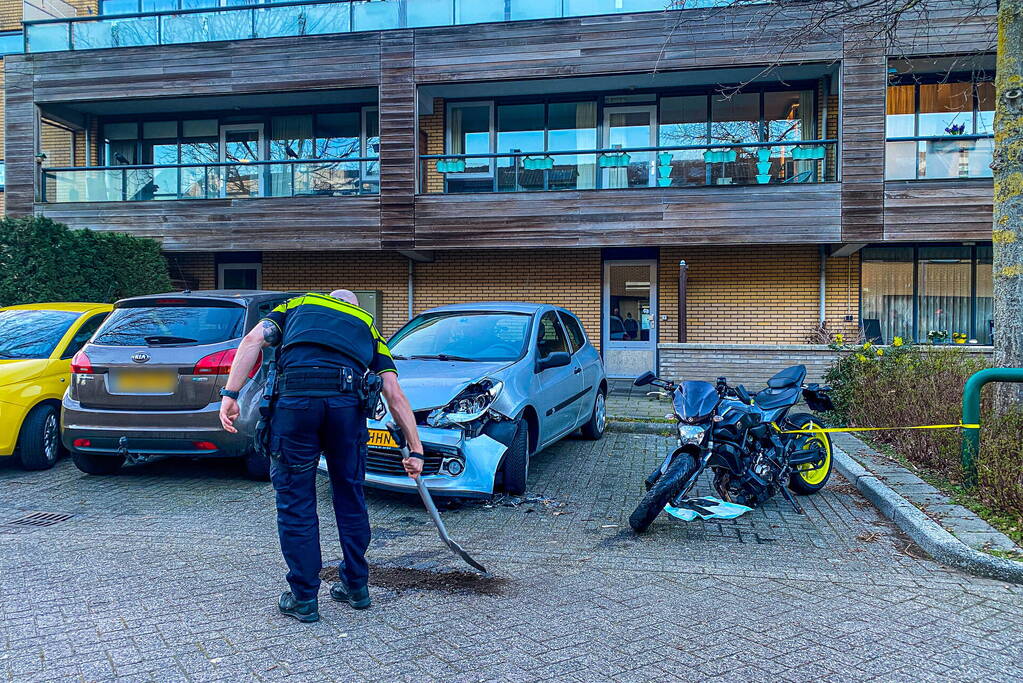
{"x": 424, "y": 493}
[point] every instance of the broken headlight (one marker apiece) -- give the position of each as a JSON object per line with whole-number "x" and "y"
{"x": 471, "y": 404}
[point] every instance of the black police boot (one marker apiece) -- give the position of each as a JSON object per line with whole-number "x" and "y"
{"x": 304, "y": 610}
{"x": 358, "y": 598}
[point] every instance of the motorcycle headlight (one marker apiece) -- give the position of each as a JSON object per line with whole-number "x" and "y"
{"x": 691, "y": 434}
{"x": 472, "y": 403}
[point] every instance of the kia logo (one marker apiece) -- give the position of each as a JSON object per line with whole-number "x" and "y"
{"x": 141, "y": 357}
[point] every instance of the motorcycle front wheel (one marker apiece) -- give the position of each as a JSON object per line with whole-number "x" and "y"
{"x": 667, "y": 487}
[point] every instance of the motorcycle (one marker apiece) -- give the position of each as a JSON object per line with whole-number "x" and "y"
{"x": 741, "y": 438}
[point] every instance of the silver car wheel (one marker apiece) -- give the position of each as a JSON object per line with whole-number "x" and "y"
{"x": 50, "y": 438}
{"x": 600, "y": 412}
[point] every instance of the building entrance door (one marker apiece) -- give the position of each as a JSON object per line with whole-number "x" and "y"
{"x": 240, "y": 145}
{"x": 629, "y": 338}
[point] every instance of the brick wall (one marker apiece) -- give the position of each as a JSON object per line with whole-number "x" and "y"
{"x": 754, "y": 294}
{"x": 564, "y": 277}
{"x": 326, "y": 271}
{"x": 193, "y": 271}
{"x": 57, "y": 143}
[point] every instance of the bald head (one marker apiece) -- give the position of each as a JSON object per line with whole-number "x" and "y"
{"x": 345, "y": 295}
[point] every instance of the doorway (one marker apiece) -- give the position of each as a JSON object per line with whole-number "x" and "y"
{"x": 240, "y": 145}
{"x": 627, "y": 127}
{"x": 629, "y": 336}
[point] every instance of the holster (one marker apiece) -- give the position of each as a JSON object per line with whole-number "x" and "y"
{"x": 369, "y": 392}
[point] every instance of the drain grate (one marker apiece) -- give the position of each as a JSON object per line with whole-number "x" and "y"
{"x": 40, "y": 519}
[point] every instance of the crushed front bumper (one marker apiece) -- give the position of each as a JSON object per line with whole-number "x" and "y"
{"x": 476, "y": 460}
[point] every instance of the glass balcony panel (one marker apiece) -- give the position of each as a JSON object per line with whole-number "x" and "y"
{"x": 48, "y": 37}
{"x": 241, "y": 180}
{"x": 327, "y": 179}
{"x": 579, "y": 8}
{"x": 331, "y": 18}
{"x": 478, "y": 11}
{"x": 204, "y": 27}
{"x": 159, "y": 5}
{"x": 534, "y": 9}
{"x": 952, "y": 158}
{"x": 200, "y": 182}
{"x": 12, "y": 43}
{"x": 376, "y": 16}
{"x": 429, "y": 13}
{"x": 900, "y": 161}
{"x": 274, "y": 22}
{"x": 115, "y": 33}
{"x": 685, "y": 168}
{"x": 83, "y": 186}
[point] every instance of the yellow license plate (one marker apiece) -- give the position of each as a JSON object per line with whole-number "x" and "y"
{"x": 381, "y": 438}
{"x": 151, "y": 382}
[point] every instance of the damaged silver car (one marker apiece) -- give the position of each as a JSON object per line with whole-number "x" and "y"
{"x": 491, "y": 384}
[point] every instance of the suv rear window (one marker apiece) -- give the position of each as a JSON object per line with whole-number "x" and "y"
{"x": 171, "y": 326}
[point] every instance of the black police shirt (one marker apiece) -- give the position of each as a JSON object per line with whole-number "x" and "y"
{"x": 321, "y": 331}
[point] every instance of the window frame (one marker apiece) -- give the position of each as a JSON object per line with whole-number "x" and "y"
{"x": 492, "y": 105}
{"x": 222, "y": 269}
{"x": 565, "y": 317}
{"x": 917, "y": 247}
{"x": 560, "y": 330}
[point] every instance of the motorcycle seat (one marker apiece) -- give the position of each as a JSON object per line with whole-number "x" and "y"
{"x": 789, "y": 377}
{"x": 769, "y": 399}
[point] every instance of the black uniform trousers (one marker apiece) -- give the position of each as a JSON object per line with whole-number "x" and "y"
{"x": 301, "y": 428}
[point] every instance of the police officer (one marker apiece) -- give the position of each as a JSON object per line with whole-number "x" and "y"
{"x": 326, "y": 348}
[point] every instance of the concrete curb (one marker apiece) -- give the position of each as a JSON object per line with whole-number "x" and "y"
{"x": 658, "y": 428}
{"x": 925, "y": 532}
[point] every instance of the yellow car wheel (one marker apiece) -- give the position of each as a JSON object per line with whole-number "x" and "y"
{"x": 811, "y": 477}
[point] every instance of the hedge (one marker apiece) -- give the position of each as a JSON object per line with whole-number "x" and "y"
{"x": 42, "y": 261}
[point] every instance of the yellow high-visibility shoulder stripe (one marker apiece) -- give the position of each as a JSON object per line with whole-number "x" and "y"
{"x": 330, "y": 302}
{"x": 383, "y": 350}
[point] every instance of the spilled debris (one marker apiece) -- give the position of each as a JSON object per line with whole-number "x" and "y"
{"x": 406, "y": 579}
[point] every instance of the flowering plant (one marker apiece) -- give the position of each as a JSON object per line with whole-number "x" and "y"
{"x": 956, "y": 128}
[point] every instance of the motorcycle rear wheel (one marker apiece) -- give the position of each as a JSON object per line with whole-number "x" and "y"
{"x": 667, "y": 487}
{"x": 807, "y": 479}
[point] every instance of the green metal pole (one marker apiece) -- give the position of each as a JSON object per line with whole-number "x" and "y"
{"x": 971, "y": 413}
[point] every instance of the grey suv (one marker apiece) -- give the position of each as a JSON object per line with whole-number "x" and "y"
{"x": 147, "y": 385}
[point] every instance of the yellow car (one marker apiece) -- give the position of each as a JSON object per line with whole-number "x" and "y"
{"x": 37, "y": 342}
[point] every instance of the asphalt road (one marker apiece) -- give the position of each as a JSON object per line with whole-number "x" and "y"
{"x": 171, "y": 571}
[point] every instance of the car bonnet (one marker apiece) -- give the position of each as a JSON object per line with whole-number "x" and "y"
{"x": 433, "y": 383}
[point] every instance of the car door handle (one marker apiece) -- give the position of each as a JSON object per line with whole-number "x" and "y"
{"x": 577, "y": 371}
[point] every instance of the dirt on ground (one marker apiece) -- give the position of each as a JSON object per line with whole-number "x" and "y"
{"x": 402, "y": 579}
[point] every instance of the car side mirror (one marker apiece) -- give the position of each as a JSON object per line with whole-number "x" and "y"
{"x": 645, "y": 379}
{"x": 558, "y": 359}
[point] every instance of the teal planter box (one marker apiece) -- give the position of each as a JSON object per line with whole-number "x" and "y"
{"x": 808, "y": 153}
{"x": 664, "y": 158}
{"x": 540, "y": 164}
{"x": 664, "y": 182}
{"x": 764, "y": 154}
{"x": 664, "y": 171}
{"x": 763, "y": 179}
{"x": 450, "y": 165}
{"x": 714, "y": 156}
{"x": 764, "y": 167}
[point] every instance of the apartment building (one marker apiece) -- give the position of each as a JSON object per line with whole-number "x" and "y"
{"x": 640, "y": 166}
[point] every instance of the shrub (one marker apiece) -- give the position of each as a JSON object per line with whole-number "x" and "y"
{"x": 41, "y": 260}
{"x": 1000, "y": 465}
{"x": 904, "y": 385}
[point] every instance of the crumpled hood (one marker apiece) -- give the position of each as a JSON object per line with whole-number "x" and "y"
{"x": 13, "y": 371}
{"x": 433, "y": 383}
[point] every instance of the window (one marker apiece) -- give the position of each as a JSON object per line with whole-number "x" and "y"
{"x": 918, "y": 293}
{"x": 3, "y": 175}
{"x": 550, "y": 338}
{"x": 574, "y": 330}
{"x": 469, "y": 132}
{"x": 83, "y": 335}
{"x": 239, "y": 275}
{"x": 939, "y": 127}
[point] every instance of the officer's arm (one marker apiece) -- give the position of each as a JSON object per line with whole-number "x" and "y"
{"x": 262, "y": 335}
{"x": 401, "y": 411}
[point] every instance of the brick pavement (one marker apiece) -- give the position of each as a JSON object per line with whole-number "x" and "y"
{"x": 170, "y": 571}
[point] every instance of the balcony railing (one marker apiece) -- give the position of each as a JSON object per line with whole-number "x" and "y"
{"x": 277, "y": 19}
{"x": 939, "y": 156}
{"x": 753, "y": 163}
{"x": 291, "y": 178}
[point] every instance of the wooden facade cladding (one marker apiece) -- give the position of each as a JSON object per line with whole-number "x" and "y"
{"x": 938, "y": 210}
{"x": 860, "y": 208}
{"x": 281, "y": 223}
{"x": 765, "y": 214}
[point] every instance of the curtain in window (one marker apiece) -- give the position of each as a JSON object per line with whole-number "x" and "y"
{"x": 944, "y": 291}
{"x": 985, "y": 294}
{"x": 887, "y": 292}
{"x": 586, "y": 137}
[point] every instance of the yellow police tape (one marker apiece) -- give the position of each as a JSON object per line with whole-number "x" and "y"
{"x": 837, "y": 430}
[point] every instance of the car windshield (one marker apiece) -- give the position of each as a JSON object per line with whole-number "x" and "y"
{"x": 170, "y": 326}
{"x": 32, "y": 334}
{"x": 463, "y": 336}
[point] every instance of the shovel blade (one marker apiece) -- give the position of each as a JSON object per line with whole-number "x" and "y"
{"x": 424, "y": 493}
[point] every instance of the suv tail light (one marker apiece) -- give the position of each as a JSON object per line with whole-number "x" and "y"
{"x": 81, "y": 365}
{"x": 219, "y": 363}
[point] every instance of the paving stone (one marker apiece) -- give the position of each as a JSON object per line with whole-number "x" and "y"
{"x": 170, "y": 572}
